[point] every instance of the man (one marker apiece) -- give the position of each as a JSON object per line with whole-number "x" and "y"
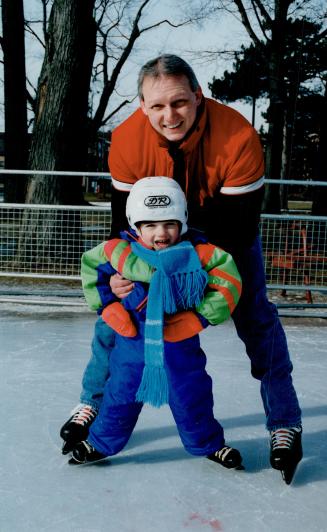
{"x": 215, "y": 155}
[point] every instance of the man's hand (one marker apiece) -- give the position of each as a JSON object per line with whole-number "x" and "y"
{"x": 120, "y": 287}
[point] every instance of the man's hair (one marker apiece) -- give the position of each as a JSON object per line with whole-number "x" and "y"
{"x": 166, "y": 65}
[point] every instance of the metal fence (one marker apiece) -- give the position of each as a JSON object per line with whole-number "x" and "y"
{"x": 295, "y": 252}
{"x": 46, "y": 241}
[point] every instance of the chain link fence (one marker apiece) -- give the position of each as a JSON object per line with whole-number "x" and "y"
{"x": 295, "y": 251}
{"x": 46, "y": 242}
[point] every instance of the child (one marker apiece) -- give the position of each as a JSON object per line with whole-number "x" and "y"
{"x": 182, "y": 284}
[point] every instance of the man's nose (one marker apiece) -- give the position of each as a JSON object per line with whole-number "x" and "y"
{"x": 170, "y": 114}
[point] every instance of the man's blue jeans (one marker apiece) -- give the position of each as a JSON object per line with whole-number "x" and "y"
{"x": 257, "y": 324}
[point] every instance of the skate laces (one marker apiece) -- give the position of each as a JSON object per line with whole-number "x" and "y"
{"x": 84, "y": 415}
{"x": 283, "y": 438}
{"x": 88, "y": 447}
{"x": 223, "y": 453}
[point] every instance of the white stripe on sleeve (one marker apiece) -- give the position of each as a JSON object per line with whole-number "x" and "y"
{"x": 119, "y": 185}
{"x": 234, "y": 191}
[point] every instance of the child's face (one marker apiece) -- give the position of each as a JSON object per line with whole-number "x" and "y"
{"x": 159, "y": 235}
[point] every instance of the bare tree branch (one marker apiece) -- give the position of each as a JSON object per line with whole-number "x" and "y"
{"x": 31, "y": 100}
{"x": 45, "y": 18}
{"x": 259, "y": 19}
{"x": 110, "y": 85}
{"x": 125, "y": 102}
{"x": 165, "y": 21}
{"x": 264, "y": 13}
{"x": 247, "y": 24}
{"x": 32, "y": 32}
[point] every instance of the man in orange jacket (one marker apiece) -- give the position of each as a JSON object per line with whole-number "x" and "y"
{"x": 216, "y": 157}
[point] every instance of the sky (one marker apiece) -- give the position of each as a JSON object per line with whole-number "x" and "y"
{"x": 223, "y": 32}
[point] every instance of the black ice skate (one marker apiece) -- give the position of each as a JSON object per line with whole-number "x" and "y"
{"x": 227, "y": 457}
{"x": 76, "y": 429}
{"x": 84, "y": 453}
{"x": 286, "y": 451}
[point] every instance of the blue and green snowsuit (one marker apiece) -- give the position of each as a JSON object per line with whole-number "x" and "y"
{"x": 190, "y": 387}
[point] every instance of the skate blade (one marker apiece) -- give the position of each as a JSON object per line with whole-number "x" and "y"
{"x": 100, "y": 462}
{"x": 288, "y": 474}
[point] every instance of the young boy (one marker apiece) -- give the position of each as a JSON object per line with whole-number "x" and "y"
{"x": 182, "y": 284}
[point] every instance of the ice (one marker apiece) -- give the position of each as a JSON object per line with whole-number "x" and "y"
{"x": 153, "y": 485}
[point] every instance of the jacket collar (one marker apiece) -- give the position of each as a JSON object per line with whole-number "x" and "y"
{"x": 193, "y": 235}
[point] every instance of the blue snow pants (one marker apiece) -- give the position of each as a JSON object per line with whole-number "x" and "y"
{"x": 190, "y": 397}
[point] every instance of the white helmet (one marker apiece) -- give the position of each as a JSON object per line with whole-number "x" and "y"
{"x": 156, "y": 199}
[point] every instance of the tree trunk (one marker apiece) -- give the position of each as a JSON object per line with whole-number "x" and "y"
{"x": 319, "y": 207}
{"x": 285, "y": 162}
{"x": 16, "y": 138}
{"x": 276, "y": 108}
{"x": 60, "y": 135}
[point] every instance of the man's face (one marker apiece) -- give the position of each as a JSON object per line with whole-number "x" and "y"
{"x": 170, "y": 105}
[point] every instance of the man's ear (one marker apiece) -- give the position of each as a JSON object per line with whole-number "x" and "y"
{"x": 198, "y": 96}
{"x": 143, "y": 107}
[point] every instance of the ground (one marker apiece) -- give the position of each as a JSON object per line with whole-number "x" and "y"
{"x": 153, "y": 485}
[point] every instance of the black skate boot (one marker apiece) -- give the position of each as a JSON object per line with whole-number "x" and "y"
{"x": 286, "y": 451}
{"x": 76, "y": 429}
{"x": 227, "y": 457}
{"x": 84, "y": 453}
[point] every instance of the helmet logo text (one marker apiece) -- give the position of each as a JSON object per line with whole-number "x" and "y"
{"x": 157, "y": 201}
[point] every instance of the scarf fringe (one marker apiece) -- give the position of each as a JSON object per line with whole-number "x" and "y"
{"x": 178, "y": 282}
{"x": 183, "y": 290}
{"x": 154, "y": 386}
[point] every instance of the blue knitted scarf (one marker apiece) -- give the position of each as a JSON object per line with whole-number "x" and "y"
{"x": 177, "y": 283}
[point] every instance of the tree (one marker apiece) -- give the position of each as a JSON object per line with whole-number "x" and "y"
{"x": 319, "y": 207}
{"x": 63, "y": 125}
{"x": 59, "y": 140}
{"x": 267, "y": 26}
{"x": 247, "y": 81}
{"x": 16, "y": 138}
{"x": 305, "y": 52}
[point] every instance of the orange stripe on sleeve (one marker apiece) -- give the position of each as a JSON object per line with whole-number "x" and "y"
{"x": 227, "y": 295}
{"x": 205, "y": 252}
{"x": 122, "y": 258}
{"x": 110, "y": 246}
{"x": 224, "y": 275}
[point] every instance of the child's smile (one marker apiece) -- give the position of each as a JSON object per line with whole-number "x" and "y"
{"x": 160, "y": 235}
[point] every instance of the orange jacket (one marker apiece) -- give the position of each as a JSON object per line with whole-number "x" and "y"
{"x": 222, "y": 153}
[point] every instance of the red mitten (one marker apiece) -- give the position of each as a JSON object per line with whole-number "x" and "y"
{"x": 117, "y": 317}
{"x": 181, "y": 326}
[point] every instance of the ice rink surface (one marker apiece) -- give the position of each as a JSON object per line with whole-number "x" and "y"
{"x": 153, "y": 485}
